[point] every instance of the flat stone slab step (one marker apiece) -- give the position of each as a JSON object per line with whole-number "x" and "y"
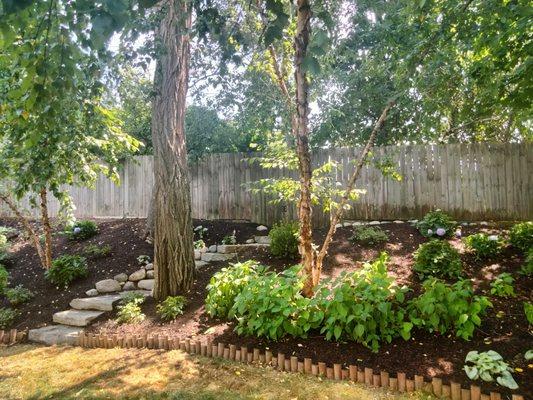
{"x": 76, "y": 317}
{"x": 235, "y": 248}
{"x": 103, "y": 303}
{"x": 55, "y": 335}
{"x": 209, "y": 257}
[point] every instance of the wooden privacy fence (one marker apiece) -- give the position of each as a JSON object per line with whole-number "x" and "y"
{"x": 470, "y": 181}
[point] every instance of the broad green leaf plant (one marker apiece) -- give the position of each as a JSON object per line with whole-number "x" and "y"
{"x": 487, "y": 366}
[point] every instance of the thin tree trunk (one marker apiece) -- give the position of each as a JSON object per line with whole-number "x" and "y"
{"x": 173, "y": 233}
{"x": 301, "y": 41}
{"x": 31, "y": 232}
{"x": 45, "y": 219}
{"x": 351, "y": 183}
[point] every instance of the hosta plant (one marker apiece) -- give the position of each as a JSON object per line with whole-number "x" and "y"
{"x": 443, "y": 307}
{"x": 226, "y": 284}
{"x": 437, "y": 258}
{"x": 364, "y": 306}
{"x": 436, "y": 224}
{"x": 170, "y": 308}
{"x": 369, "y": 235}
{"x": 489, "y": 365}
{"x": 129, "y": 310}
{"x": 143, "y": 259}
{"x": 483, "y": 246}
{"x": 521, "y": 236}
{"x": 230, "y": 239}
{"x": 66, "y": 269}
{"x": 502, "y": 286}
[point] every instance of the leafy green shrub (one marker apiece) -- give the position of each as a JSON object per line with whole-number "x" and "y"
{"x": 7, "y": 317}
{"x": 171, "y": 307}
{"x": 66, "y": 269}
{"x": 4, "y": 246}
{"x": 528, "y": 310}
{"x": 229, "y": 239}
{"x": 527, "y": 268}
{"x": 437, "y": 258}
{"x": 444, "y": 307}
{"x": 436, "y": 224}
{"x": 82, "y": 230}
{"x": 272, "y": 305}
{"x": 4, "y": 278}
{"x": 487, "y": 366}
{"x": 18, "y": 295}
{"x": 365, "y": 306}
{"x": 483, "y": 246}
{"x": 6, "y": 230}
{"x": 95, "y": 251}
{"x": 226, "y": 284}
{"x": 143, "y": 259}
{"x": 521, "y": 236}
{"x": 284, "y": 239}
{"x": 369, "y": 235}
{"x": 129, "y": 310}
{"x": 199, "y": 244}
{"x": 502, "y": 286}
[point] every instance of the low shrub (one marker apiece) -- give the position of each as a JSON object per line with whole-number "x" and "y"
{"x": 272, "y": 305}
{"x": 483, "y": 246}
{"x": 365, "y": 306}
{"x": 7, "y": 317}
{"x": 65, "y": 269}
{"x": 143, "y": 259}
{"x": 436, "y": 224}
{"x": 82, "y": 230}
{"x": 502, "y": 286}
{"x": 437, "y": 258}
{"x": 96, "y": 251}
{"x": 4, "y": 278}
{"x": 284, "y": 239}
{"x": 528, "y": 311}
{"x": 521, "y": 235}
{"x": 369, "y": 235}
{"x": 4, "y": 246}
{"x": 171, "y": 307}
{"x": 443, "y": 307}
{"x": 18, "y": 295}
{"x": 199, "y": 244}
{"x": 226, "y": 284}
{"x": 487, "y": 366}
{"x": 129, "y": 311}
{"x": 527, "y": 268}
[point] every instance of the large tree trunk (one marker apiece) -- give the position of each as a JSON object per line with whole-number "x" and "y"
{"x": 173, "y": 233}
{"x": 301, "y": 41}
{"x": 47, "y": 228}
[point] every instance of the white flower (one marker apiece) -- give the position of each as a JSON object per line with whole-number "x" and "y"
{"x": 458, "y": 233}
{"x": 493, "y": 237}
{"x": 76, "y": 229}
{"x": 430, "y": 232}
{"x": 441, "y": 231}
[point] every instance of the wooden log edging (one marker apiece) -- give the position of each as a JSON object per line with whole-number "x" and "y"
{"x": 399, "y": 382}
{"x": 12, "y": 336}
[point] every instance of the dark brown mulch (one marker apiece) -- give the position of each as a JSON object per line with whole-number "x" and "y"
{"x": 426, "y": 354}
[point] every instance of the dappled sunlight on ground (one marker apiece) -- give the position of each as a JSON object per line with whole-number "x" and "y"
{"x": 31, "y": 372}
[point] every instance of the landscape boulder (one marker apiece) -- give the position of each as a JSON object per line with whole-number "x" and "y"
{"x": 108, "y": 286}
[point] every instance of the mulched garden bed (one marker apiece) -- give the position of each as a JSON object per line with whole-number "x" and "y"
{"x": 425, "y": 354}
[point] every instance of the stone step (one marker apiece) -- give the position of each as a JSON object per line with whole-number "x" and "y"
{"x": 262, "y": 239}
{"x": 55, "y": 335}
{"x": 235, "y": 248}
{"x": 76, "y": 317}
{"x": 209, "y": 257}
{"x": 100, "y": 303}
{"x": 103, "y": 303}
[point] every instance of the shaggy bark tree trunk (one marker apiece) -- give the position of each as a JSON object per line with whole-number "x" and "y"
{"x": 301, "y": 41}
{"x": 31, "y": 232}
{"x": 173, "y": 233}
{"x": 45, "y": 219}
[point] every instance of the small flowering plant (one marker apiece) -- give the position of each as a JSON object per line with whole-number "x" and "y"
{"x": 81, "y": 230}
{"x": 483, "y": 246}
{"x": 436, "y": 224}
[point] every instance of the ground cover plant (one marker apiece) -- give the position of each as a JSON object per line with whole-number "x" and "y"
{"x": 369, "y": 235}
{"x": 483, "y": 246}
{"x": 129, "y": 310}
{"x": 489, "y": 366}
{"x": 18, "y": 295}
{"x": 97, "y": 251}
{"x": 171, "y": 307}
{"x": 503, "y": 285}
{"x": 521, "y": 236}
{"x": 7, "y": 317}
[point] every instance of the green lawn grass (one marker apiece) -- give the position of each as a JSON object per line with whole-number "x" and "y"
{"x": 33, "y": 372}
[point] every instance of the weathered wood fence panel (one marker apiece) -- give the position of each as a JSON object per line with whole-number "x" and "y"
{"x": 470, "y": 181}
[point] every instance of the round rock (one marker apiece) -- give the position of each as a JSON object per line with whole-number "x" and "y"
{"x": 107, "y": 286}
{"x": 129, "y": 286}
{"x": 138, "y": 275}
{"x": 121, "y": 277}
{"x": 92, "y": 292}
{"x": 149, "y": 266}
